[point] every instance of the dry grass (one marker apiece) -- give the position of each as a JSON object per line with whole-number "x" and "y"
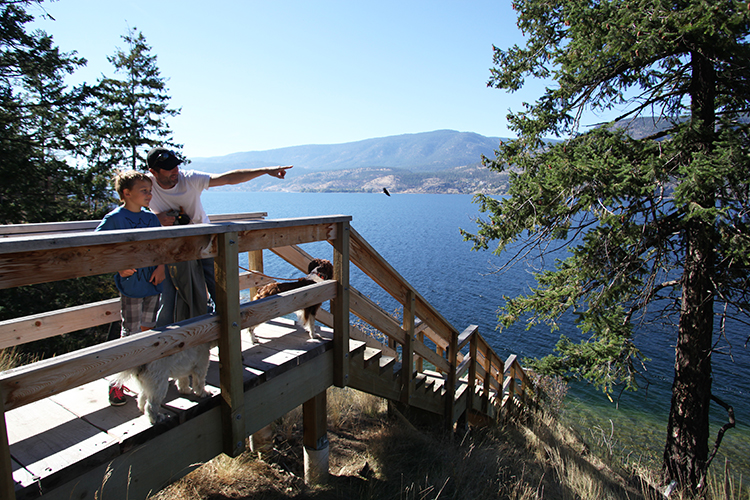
{"x": 375, "y": 455}
{"x": 10, "y": 358}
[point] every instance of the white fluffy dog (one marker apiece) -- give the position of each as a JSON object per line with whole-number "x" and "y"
{"x": 152, "y": 379}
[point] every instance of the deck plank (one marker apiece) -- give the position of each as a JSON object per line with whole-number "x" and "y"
{"x": 21, "y": 476}
{"x": 55, "y": 439}
{"x": 46, "y": 438}
{"x": 90, "y": 402}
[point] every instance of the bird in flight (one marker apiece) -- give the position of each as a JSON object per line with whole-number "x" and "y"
{"x": 385, "y": 190}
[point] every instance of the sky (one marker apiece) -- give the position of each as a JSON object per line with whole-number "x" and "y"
{"x": 257, "y": 75}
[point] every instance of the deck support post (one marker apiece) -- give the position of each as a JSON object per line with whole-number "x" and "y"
{"x": 230, "y": 347}
{"x": 315, "y": 439}
{"x": 262, "y": 440}
{"x": 407, "y": 350}
{"x": 7, "y": 487}
{"x": 340, "y": 305}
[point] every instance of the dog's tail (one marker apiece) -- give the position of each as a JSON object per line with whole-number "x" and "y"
{"x": 128, "y": 378}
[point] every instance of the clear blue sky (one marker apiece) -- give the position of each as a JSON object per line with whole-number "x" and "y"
{"x": 256, "y": 75}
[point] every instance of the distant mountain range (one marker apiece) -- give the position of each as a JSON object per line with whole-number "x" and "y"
{"x": 443, "y": 161}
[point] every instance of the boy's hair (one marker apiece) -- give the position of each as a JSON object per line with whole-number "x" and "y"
{"x": 126, "y": 180}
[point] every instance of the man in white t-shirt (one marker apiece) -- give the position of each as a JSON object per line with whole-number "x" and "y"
{"x": 180, "y": 191}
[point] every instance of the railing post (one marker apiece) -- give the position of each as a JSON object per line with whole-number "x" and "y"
{"x": 420, "y": 361}
{"x": 230, "y": 347}
{"x": 255, "y": 263}
{"x": 522, "y": 379}
{"x": 440, "y": 352}
{"x": 340, "y": 305}
{"x": 315, "y": 439}
{"x": 450, "y": 389}
{"x": 7, "y": 487}
{"x": 407, "y": 350}
{"x": 472, "y": 371}
{"x": 487, "y": 380}
{"x": 509, "y": 371}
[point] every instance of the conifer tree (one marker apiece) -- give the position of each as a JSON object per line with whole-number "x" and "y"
{"x": 38, "y": 116}
{"x": 132, "y": 111}
{"x": 656, "y": 222}
{"x": 40, "y": 137}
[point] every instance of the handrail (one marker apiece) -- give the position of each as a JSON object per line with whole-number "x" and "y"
{"x": 37, "y": 380}
{"x": 16, "y": 230}
{"x": 482, "y": 368}
{"x": 44, "y": 325}
{"x": 485, "y": 368}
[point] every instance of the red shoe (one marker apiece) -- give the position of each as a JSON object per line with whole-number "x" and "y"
{"x": 116, "y": 396}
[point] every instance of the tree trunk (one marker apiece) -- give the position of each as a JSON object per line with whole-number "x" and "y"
{"x": 686, "y": 449}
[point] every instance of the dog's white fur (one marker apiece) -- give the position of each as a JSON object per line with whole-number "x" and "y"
{"x": 151, "y": 380}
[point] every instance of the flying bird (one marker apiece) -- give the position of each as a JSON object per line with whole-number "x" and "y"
{"x": 385, "y": 190}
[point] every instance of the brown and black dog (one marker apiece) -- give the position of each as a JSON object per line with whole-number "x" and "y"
{"x": 318, "y": 270}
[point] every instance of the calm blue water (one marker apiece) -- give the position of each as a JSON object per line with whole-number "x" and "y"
{"x": 418, "y": 234}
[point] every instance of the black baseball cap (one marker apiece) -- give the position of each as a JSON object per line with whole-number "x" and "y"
{"x": 162, "y": 158}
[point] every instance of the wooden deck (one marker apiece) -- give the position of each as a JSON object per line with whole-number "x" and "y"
{"x": 65, "y": 442}
{"x": 56, "y": 439}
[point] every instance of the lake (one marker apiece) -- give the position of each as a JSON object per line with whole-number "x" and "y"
{"x": 418, "y": 234}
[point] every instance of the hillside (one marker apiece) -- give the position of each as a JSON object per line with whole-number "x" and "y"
{"x": 468, "y": 179}
{"x": 375, "y": 453}
{"x": 443, "y": 161}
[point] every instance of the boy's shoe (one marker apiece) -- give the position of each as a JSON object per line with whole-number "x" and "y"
{"x": 116, "y": 396}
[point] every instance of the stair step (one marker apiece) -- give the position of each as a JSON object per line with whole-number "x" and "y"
{"x": 387, "y": 363}
{"x": 431, "y": 384}
{"x": 372, "y": 355}
{"x": 356, "y": 347}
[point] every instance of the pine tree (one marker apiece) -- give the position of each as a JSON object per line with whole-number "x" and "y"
{"x": 39, "y": 140}
{"x": 131, "y": 112}
{"x": 658, "y": 224}
{"x": 37, "y": 124}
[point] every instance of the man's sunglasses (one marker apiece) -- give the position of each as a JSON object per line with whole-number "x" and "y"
{"x": 164, "y": 156}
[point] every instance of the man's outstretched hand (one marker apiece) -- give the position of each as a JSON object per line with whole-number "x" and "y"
{"x": 279, "y": 172}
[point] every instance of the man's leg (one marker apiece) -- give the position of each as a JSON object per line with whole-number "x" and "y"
{"x": 210, "y": 274}
{"x": 130, "y": 314}
{"x": 166, "y": 309}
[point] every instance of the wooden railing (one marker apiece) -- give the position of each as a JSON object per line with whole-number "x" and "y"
{"x": 476, "y": 379}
